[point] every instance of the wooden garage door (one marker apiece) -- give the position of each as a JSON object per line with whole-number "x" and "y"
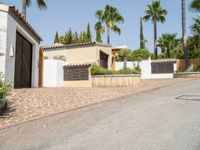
{"x": 23, "y": 62}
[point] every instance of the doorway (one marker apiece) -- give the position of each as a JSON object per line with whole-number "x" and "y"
{"x": 23, "y": 62}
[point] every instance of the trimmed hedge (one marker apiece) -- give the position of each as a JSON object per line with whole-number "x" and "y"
{"x": 98, "y": 70}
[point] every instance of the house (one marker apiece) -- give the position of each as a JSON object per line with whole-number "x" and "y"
{"x": 98, "y": 53}
{"x": 19, "y": 49}
{"x": 78, "y": 59}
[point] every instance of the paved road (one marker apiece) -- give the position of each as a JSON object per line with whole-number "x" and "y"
{"x": 153, "y": 120}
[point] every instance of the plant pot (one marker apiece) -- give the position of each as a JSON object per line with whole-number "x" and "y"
{"x": 3, "y": 106}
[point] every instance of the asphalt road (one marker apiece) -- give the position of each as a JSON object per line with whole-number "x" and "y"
{"x": 153, "y": 120}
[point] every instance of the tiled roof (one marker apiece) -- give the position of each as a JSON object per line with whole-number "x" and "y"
{"x": 80, "y": 64}
{"x": 163, "y": 60}
{"x": 19, "y": 16}
{"x": 90, "y": 44}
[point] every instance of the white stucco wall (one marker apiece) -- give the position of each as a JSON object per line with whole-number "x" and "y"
{"x": 3, "y": 38}
{"x": 146, "y": 71}
{"x": 53, "y": 73}
{"x": 129, "y": 64}
{"x": 9, "y": 40}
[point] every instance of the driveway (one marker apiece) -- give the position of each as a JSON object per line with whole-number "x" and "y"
{"x": 152, "y": 120}
{"x": 30, "y": 104}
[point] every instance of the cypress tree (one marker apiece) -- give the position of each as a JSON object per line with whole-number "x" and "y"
{"x": 142, "y": 40}
{"x": 56, "y": 39}
{"x": 98, "y": 37}
{"x": 75, "y": 38}
{"x": 89, "y": 36}
{"x": 69, "y": 37}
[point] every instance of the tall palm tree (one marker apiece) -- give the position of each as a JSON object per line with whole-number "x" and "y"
{"x": 184, "y": 38}
{"x": 26, "y": 3}
{"x": 99, "y": 30}
{"x": 157, "y": 14}
{"x": 110, "y": 16}
{"x": 168, "y": 42}
{"x": 195, "y": 5}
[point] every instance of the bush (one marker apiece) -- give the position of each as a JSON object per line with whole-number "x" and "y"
{"x": 5, "y": 88}
{"x": 128, "y": 71}
{"x": 98, "y": 70}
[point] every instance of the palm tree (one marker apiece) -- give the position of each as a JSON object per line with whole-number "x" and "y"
{"x": 26, "y": 3}
{"x": 196, "y": 26}
{"x": 99, "y": 30}
{"x": 168, "y": 42}
{"x": 184, "y": 38}
{"x": 110, "y": 16}
{"x": 195, "y": 5}
{"x": 157, "y": 14}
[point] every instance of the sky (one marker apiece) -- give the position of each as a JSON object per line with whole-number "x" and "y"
{"x": 75, "y": 14}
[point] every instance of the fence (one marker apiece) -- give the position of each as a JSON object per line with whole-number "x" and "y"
{"x": 53, "y": 73}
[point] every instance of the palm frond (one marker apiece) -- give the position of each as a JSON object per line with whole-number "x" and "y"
{"x": 41, "y": 4}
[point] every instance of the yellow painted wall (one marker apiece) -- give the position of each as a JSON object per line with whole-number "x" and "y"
{"x": 181, "y": 63}
{"x": 82, "y": 55}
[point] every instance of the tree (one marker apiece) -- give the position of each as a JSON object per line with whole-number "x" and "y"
{"x": 27, "y": 3}
{"x": 110, "y": 16}
{"x": 89, "y": 36}
{"x": 140, "y": 54}
{"x": 168, "y": 42}
{"x": 75, "y": 38}
{"x": 195, "y": 5}
{"x": 142, "y": 39}
{"x": 184, "y": 38}
{"x": 157, "y": 14}
{"x": 125, "y": 55}
{"x": 83, "y": 37}
{"x": 196, "y": 26}
{"x": 99, "y": 30}
{"x": 56, "y": 39}
{"x": 69, "y": 37}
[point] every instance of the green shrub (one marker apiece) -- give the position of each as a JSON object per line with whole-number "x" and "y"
{"x": 5, "y": 88}
{"x": 128, "y": 71}
{"x": 98, "y": 70}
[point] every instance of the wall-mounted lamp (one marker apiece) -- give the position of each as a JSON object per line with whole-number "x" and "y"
{"x": 12, "y": 51}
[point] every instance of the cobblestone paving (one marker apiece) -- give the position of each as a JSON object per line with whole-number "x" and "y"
{"x": 29, "y": 104}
